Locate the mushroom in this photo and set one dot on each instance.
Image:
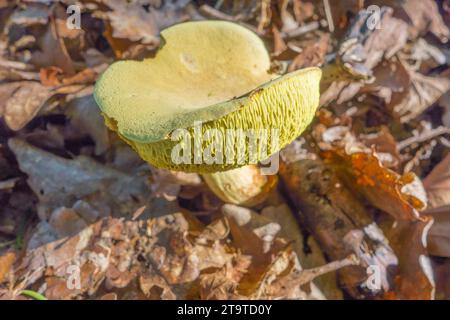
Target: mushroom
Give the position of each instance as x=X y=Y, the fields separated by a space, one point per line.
x=208 y=103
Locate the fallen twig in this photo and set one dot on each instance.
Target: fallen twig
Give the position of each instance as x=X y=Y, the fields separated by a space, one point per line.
x=424 y=136
x=308 y=27
x=329 y=16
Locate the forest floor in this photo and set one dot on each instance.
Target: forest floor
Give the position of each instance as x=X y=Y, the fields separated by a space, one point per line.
x=362 y=205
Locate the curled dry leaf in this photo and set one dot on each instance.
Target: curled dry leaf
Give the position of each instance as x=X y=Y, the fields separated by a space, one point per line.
x=423 y=92
x=391 y=84
x=140 y=26
x=23 y=105
x=6 y=91
x=415 y=277
x=150 y=282
x=400 y=196
x=222 y=284
x=311 y=56
x=384 y=143
x=425 y=17
x=25 y=99
x=53 y=77
x=437 y=184
x=263 y=227
x=422 y=16
x=130 y=23
x=439 y=234
x=279 y=45
x=252 y=245
x=16 y=71
x=366 y=171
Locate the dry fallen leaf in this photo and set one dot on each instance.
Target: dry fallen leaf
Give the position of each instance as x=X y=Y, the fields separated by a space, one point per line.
x=444 y=101
x=331 y=212
x=53 y=50
x=423 y=92
x=307 y=249
x=26 y=101
x=359 y=53
x=140 y=26
x=437 y=184
x=110 y=190
x=392 y=82
x=424 y=16
x=130 y=23
x=313 y=55
x=85 y=116
x=400 y=196
x=414 y=279
x=439 y=234
x=6 y=262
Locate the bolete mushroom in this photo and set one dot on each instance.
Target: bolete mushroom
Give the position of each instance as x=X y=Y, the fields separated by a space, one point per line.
x=208 y=103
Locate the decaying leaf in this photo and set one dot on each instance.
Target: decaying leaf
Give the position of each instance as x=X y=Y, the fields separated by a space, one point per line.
x=363 y=172
x=437 y=184
x=424 y=16
x=25 y=103
x=391 y=84
x=415 y=277
x=132 y=23
x=311 y=56
x=423 y=92
x=27 y=98
x=168 y=183
x=174 y=253
x=308 y=251
x=140 y=27
x=6 y=262
x=84 y=115
x=439 y=233
x=53 y=50
x=110 y=189
x=441 y=271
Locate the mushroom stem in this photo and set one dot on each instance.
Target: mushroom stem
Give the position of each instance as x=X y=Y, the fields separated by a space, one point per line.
x=242 y=186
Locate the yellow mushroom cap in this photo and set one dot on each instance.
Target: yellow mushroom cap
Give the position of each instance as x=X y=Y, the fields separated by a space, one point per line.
x=214 y=72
